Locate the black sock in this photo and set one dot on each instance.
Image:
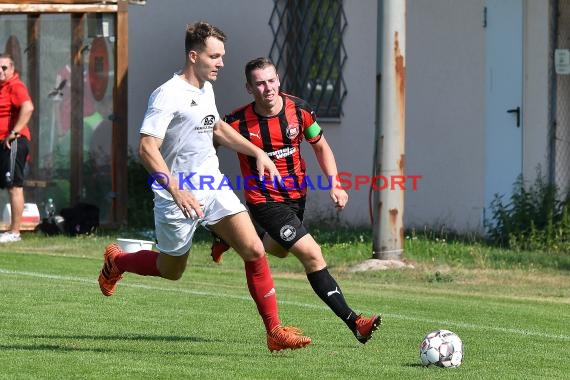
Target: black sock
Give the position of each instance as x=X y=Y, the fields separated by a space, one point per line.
x=328 y=290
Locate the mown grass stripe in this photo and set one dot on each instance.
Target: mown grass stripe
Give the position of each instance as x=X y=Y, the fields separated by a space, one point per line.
x=514 y=331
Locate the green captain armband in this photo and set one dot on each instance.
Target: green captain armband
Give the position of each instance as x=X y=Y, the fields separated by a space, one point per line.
x=313 y=131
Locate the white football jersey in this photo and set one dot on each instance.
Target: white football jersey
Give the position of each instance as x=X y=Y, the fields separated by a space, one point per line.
x=183 y=116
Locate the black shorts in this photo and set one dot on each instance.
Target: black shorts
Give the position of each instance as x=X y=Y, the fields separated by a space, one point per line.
x=283 y=221
x=17 y=177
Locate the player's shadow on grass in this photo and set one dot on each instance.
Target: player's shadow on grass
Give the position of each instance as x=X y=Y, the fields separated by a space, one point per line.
x=73 y=348
x=123 y=337
x=53 y=342
x=48 y=347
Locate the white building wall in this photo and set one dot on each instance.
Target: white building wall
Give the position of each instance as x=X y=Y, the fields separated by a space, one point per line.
x=445 y=138
x=445 y=112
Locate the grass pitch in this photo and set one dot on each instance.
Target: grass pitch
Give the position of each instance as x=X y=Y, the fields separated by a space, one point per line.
x=55 y=324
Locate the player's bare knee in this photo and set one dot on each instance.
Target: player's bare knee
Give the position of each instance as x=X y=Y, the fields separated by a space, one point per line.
x=173 y=275
x=171 y=272
x=312 y=261
x=315 y=254
x=252 y=250
x=257 y=251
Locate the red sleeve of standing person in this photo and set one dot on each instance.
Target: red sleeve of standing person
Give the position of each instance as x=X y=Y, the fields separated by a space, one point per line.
x=14 y=94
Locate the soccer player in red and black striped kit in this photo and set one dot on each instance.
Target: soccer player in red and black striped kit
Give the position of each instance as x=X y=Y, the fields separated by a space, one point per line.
x=277 y=123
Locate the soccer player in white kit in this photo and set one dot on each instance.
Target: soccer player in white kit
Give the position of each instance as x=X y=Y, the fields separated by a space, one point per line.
x=176 y=146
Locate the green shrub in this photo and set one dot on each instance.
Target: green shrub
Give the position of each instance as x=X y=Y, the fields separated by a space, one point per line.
x=535 y=218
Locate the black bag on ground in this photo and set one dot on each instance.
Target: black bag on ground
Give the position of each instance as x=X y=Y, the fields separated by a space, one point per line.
x=83 y=218
x=50 y=226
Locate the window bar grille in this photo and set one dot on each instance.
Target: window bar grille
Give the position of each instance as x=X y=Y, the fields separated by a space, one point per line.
x=309 y=52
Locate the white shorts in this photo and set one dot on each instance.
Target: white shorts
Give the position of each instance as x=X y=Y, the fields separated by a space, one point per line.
x=174 y=231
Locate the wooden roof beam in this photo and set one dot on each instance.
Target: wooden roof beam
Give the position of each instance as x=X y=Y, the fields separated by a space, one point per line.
x=57 y=8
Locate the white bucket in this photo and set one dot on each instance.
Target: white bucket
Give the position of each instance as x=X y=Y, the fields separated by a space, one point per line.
x=30 y=214
x=134 y=245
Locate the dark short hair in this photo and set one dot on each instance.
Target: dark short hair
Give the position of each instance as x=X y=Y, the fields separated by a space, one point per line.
x=8 y=56
x=197 y=33
x=254 y=64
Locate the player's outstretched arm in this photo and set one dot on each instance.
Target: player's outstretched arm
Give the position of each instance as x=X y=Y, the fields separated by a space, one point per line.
x=326 y=160
x=153 y=162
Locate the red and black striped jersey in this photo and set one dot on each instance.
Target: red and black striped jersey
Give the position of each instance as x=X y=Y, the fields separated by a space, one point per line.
x=280 y=137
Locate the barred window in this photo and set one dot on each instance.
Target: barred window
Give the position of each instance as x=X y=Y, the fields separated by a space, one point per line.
x=309 y=53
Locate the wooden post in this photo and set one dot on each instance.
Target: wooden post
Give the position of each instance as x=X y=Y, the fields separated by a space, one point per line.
x=34 y=87
x=120 y=122
x=76 y=117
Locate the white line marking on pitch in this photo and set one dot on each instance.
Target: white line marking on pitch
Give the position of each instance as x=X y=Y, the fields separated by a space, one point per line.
x=300 y=304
